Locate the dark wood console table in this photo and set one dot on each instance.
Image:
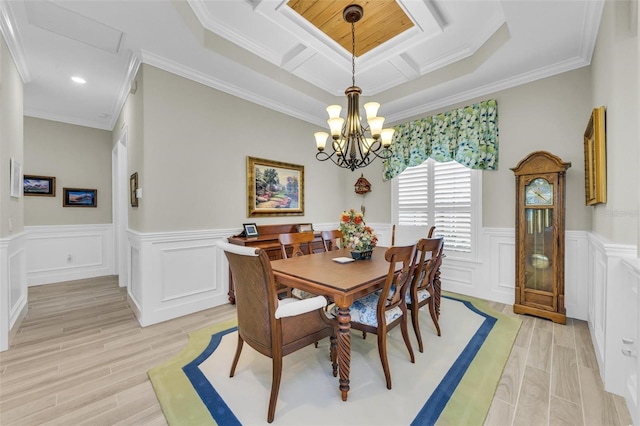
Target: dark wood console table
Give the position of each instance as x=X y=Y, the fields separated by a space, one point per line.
x=267 y=240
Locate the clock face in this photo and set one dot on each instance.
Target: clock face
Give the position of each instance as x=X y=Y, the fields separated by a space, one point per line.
x=539 y=192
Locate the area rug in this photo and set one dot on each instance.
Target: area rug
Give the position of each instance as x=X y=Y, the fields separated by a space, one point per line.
x=451 y=383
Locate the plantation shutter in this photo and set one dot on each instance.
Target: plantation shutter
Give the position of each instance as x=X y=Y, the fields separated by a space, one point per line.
x=438 y=194
x=452 y=205
x=413 y=196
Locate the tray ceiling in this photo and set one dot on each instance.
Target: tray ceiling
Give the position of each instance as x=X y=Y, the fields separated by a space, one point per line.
x=293 y=56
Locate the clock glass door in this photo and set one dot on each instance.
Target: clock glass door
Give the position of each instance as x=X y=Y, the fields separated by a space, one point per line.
x=538 y=249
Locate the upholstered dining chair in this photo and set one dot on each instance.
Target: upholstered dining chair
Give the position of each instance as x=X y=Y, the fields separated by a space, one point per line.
x=382 y=311
x=296 y=240
x=332 y=240
x=408 y=234
x=422 y=290
x=273 y=327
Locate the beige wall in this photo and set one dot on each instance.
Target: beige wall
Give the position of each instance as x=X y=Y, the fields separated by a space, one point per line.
x=11 y=135
x=195 y=142
x=615 y=86
x=78 y=157
x=548 y=114
x=131 y=121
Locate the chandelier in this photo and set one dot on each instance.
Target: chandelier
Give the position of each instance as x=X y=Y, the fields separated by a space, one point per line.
x=354 y=145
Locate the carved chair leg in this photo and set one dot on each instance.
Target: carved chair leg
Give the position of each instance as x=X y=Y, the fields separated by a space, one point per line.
x=236 y=357
x=415 y=321
x=382 y=350
x=405 y=336
x=434 y=317
x=333 y=354
x=275 y=387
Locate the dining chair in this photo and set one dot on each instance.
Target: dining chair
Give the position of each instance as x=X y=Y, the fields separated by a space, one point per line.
x=422 y=288
x=409 y=234
x=296 y=240
x=383 y=310
x=332 y=240
x=271 y=326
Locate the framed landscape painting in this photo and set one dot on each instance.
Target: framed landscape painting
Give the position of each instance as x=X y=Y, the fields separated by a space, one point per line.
x=595 y=159
x=274 y=188
x=78 y=197
x=41 y=186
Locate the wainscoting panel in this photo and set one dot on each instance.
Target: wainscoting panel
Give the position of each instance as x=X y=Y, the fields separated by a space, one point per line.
x=64 y=253
x=630 y=344
x=13 y=286
x=608 y=289
x=176 y=273
x=187 y=271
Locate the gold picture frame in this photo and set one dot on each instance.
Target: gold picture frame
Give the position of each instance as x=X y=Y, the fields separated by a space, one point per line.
x=274 y=188
x=133 y=187
x=595 y=158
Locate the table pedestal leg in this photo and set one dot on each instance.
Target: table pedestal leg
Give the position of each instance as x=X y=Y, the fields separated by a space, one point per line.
x=344 y=349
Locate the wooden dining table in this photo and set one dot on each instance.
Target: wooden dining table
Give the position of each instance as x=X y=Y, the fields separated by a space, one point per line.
x=341 y=282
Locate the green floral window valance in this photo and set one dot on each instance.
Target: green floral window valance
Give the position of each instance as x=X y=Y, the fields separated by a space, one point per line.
x=468 y=135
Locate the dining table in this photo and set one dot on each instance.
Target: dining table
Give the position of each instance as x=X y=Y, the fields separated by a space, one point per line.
x=324 y=274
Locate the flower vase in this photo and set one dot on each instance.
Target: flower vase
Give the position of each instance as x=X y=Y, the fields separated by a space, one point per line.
x=362 y=255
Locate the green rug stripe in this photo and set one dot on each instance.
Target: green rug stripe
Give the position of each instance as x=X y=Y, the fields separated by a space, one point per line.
x=179 y=401
x=472 y=398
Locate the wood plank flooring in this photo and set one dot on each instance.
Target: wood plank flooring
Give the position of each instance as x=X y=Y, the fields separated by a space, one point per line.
x=80 y=357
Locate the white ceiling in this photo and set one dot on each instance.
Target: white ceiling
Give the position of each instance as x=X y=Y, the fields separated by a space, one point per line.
x=262 y=51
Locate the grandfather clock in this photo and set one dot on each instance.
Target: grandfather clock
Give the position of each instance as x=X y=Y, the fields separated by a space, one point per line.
x=540 y=214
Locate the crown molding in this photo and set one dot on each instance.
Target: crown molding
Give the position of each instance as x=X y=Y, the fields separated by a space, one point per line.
x=10 y=33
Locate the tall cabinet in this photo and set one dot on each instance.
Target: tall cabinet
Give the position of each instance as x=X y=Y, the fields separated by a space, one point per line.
x=540 y=215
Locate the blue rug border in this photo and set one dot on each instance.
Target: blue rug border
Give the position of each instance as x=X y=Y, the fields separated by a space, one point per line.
x=434 y=406
x=428 y=415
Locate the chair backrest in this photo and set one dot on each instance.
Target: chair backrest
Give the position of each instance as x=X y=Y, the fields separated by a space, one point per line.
x=430 y=258
x=256 y=297
x=396 y=283
x=403 y=235
x=296 y=240
x=332 y=240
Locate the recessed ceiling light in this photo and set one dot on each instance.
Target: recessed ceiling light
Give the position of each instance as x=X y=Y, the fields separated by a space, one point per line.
x=78 y=80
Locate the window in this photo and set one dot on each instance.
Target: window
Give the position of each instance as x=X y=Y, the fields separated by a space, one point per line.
x=446 y=195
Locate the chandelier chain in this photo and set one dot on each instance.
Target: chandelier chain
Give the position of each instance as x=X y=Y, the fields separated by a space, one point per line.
x=355 y=144
x=353 y=54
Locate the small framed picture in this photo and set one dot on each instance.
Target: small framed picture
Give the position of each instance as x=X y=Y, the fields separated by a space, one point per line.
x=42 y=186
x=133 y=186
x=78 y=197
x=305 y=227
x=250 y=229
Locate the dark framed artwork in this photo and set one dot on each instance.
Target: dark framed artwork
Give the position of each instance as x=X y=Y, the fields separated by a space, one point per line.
x=250 y=229
x=79 y=197
x=595 y=158
x=274 y=188
x=133 y=186
x=40 y=186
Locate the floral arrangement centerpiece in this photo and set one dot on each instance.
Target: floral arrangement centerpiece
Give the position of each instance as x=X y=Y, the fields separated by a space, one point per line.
x=357 y=236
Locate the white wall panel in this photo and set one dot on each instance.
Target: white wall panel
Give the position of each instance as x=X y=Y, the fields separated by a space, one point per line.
x=188 y=271
x=176 y=273
x=64 y=253
x=13 y=286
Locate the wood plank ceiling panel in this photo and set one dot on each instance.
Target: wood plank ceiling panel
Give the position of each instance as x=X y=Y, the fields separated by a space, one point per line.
x=382 y=20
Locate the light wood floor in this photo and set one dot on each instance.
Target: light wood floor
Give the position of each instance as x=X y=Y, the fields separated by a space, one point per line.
x=80 y=357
